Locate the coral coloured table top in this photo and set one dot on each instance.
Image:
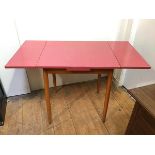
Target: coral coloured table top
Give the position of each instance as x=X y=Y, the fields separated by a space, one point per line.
x=77 y=55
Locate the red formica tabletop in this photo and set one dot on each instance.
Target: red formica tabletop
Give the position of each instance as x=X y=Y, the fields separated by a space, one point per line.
x=77 y=55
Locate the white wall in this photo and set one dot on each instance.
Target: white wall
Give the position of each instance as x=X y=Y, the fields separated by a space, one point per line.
x=58 y=20
x=144 y=41
x=14 y=81
x=97 y=30
x=65 y=20
x=124 y=35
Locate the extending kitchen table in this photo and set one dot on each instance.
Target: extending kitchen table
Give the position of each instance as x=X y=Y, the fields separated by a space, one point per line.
x=72 y=57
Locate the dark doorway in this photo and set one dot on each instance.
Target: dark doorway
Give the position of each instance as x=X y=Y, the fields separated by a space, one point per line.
x=3 y=103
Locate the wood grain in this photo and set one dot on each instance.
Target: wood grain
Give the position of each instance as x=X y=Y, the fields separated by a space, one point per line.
x=146 y=97
x=47 y=95
x=142 y=121
x=77 y=109
x=62 y=121
x=107 y=94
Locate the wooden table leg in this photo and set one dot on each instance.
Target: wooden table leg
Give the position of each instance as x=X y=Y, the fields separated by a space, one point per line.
x=47 y=95
x=98 y=83
x=107 y=94
x=54 y=82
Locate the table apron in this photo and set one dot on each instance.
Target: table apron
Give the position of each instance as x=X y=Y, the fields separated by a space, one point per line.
x=64 y=71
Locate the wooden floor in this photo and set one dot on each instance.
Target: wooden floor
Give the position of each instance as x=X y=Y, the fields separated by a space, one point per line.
x=76 y=109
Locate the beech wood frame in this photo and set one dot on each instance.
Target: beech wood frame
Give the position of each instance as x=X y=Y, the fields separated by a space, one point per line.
x=47 y=71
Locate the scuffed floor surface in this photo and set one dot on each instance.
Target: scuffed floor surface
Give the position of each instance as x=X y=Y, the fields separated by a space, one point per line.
x=76 y=109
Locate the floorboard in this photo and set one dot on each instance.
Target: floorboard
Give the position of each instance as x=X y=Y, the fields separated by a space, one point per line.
x=76 y=110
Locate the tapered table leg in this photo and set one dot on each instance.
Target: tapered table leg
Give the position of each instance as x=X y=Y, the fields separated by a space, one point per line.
x=98 y=83
x=54 y=82
x=107 y=94
x=47 y=95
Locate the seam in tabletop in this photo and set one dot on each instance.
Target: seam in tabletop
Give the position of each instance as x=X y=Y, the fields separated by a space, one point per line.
x=114 y=55
x=40 y=54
